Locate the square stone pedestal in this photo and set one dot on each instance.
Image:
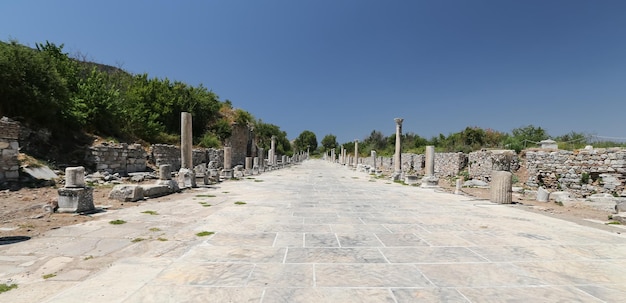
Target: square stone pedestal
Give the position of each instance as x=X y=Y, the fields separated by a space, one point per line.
x=76 y=200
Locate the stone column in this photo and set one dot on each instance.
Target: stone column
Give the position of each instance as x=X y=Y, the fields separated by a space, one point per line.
x=186 y=141
x=261 y=151
x=227 y=172
x=248 y=165
x=273 y=151
x=165 y=178
x=429 y=177
x=459 y=185
x=186 y=175
x=356 y=153
x=75 y=197
x=501 y=188
x=430 y=161
x=397 y=157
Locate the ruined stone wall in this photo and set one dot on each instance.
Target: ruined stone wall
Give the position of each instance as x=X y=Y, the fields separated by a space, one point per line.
x=581 y=172
x=449 y=164
x=170 y=154
x=121 y=158
x=481 y=163
x=9 y=149
x=446 y=164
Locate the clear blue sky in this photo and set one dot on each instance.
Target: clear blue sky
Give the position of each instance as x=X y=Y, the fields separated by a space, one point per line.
x=347 y=67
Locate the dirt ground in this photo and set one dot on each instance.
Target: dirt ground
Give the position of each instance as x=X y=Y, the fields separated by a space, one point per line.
x=22 y=213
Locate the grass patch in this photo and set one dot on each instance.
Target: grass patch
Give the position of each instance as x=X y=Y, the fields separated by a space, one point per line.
x=559 y=203
x=150 y=212
x=88 y=258
x=48 y=276
x=137 y=240
x=355 y=177
x=5 y=287
x=204 y=233
x=226 y=192
x=117 y=222
x=257 y=180
x=613 y=223
x=204 y=204
x=155 y=229
x=240 y=203
x=161 y=239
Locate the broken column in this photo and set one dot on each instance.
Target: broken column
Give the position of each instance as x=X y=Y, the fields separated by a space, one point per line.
x=227 y=172
x=248 y=166
x=75 y=197
x=501 y=188
x=374 y=169
x=459 y=185
x=165 y=177
x=272 y=154
x=255 y=166
x=186 y=174
x=430 y=179
x=356 y=153
x=397 y=157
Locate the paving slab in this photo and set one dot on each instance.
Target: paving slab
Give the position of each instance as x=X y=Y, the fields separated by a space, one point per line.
x=319 y=232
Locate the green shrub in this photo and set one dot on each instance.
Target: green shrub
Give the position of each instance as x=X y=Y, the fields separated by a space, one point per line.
x=209 y=140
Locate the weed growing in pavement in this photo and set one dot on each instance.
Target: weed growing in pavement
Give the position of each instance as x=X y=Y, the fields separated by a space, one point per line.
x=204 y=233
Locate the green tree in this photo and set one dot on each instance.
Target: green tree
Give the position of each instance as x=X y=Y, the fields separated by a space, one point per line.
x=530 y=134
x=329 y=142
x=305 y=141
x=265 y=131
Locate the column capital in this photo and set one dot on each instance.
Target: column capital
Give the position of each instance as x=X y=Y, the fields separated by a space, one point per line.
x=398 y=120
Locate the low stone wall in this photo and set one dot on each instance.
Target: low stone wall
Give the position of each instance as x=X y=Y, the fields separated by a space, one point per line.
x=581 y=172
x=449 y=164
x=120 y=158
x=481 y=163
x=169 y=154
x=446 y=164
x=9 y=150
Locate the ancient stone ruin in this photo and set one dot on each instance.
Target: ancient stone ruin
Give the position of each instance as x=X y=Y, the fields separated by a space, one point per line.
x=75 y=196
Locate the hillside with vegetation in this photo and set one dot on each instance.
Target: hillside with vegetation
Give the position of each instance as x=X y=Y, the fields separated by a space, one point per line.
x=65 y=102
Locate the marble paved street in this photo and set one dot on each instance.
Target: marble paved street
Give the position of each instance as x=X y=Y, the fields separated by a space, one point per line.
x=318 y=232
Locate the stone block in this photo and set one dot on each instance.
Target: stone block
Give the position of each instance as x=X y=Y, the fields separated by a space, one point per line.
x=75 y=200
x=162 y=188
x=186 y=178
x=126 y=193
x=75 y=177
x=543 y=195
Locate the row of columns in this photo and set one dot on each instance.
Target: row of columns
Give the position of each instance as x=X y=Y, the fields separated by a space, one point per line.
x=186 y=175
x=501 y=187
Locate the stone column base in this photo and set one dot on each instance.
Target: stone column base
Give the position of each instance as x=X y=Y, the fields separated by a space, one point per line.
x=411 y=180
x=227 y=173
x=186 y=178
x=76 y=200
x=396 y=176
x=430 y=181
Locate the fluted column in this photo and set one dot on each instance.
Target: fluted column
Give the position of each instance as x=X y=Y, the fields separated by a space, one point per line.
x=501 y=187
